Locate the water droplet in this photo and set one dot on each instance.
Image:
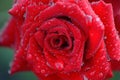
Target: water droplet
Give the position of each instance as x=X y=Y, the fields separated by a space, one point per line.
x=48 y=64
x=24 y=15
x=106 y=68
x=51 y=3
x=92 y=73
x=85 y=78
x=105 y=37
x=59 y=65
x=9 y=71
x=89 y=18
x=101 y=74
x=42 y=71
x=82 y=64
x=97 y=19
x=88 y=68
x=29 y=56
x=23 y=8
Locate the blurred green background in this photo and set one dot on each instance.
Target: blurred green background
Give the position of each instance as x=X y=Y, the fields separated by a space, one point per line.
x=6 y=55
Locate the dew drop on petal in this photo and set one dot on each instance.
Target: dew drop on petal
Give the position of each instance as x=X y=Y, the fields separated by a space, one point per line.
x=108 y=57
x=85 y=78
x=89 y=18
x=59 y=65
x=97 y=19
x=88 y=68
x=105 y=37
x=101 y=75
x=51 y=3
x=23 y=8
x=92 y=73
x=48 y=64
x=42 y=71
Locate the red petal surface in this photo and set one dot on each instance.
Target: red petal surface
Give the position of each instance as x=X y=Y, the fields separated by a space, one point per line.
x=98 y=67
x=112 y=39
x=95 y=26
x=7 y=35
x=51 y=36
x=116 y=11
x=71 y=76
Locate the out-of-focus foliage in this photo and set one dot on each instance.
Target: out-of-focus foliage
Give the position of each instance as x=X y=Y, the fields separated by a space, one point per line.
x=6 y=55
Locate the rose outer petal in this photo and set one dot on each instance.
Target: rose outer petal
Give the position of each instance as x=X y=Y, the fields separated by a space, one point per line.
x=36 y=59
x=116 y=11
x=71 y=76
x=98 y=68
x=95 y=26
x=112 y=39
x=7 y=35
x=117 y=23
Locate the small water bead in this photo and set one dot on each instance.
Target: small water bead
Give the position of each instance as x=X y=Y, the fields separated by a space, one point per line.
x=48 y=64
x=106 y=69
x=105 y=37
x=22 y=8
x=100 y=74
x=42 y=71
x=88 y=68
x=9 y=71
x=92 y=73
x=89 y=18
x=59 y=65
x=82 y=64
x=97 y=19
x=51 y=3
x=85 y=78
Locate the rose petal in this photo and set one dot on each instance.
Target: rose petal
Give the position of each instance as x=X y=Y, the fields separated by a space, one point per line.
x=51 y=77
x=71 y=76
x=7 y=35
x=115 y=65
x=112 y=39
x=19 y=63
x=116 y=10
x=117 y=23
x=36 y=59
x=95 y=26
x=98 y=67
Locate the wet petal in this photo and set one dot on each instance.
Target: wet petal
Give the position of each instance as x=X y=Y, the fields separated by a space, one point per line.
x=71 y=76
x=98 y=67
x=7 y=35
x=95 y=26
x=112 y=39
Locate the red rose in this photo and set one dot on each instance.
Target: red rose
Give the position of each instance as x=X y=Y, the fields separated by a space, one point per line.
x=63 y=39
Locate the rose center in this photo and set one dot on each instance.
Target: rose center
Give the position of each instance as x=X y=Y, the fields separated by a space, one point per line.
x=59 y=42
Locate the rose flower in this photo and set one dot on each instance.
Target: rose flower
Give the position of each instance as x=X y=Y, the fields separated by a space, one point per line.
x=64 y=39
